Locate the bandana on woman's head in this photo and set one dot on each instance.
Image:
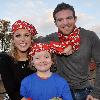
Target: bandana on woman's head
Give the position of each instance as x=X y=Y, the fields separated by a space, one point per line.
x=24 y=25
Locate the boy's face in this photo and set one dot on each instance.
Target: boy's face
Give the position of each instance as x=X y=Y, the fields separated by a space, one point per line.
x=65 y=21
x=42 y=61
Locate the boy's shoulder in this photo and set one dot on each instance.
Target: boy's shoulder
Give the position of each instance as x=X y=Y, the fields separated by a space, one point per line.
x=28 y=78
x=59 y=78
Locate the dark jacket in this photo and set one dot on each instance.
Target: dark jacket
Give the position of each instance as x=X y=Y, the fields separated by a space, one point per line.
x=12 y=72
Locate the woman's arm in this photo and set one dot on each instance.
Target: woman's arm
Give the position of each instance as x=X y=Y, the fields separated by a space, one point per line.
x=8 y=77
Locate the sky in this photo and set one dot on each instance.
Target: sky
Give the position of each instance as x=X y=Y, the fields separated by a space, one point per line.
x=39 y=13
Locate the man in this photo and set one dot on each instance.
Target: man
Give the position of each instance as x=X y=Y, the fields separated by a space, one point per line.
x=74 y=68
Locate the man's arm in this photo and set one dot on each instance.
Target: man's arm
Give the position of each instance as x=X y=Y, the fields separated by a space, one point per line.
x=96 y=56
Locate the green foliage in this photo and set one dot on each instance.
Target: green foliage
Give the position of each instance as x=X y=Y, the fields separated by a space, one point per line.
x=5 y=36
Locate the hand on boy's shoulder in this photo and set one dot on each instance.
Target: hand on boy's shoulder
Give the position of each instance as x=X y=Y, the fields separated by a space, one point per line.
x=56 y=98
x=26 y=98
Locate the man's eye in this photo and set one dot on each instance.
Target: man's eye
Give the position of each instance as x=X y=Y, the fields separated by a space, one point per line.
x=70 y=17
x=59 y=20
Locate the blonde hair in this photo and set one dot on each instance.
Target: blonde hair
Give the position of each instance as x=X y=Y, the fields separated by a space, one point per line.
x=13 y=50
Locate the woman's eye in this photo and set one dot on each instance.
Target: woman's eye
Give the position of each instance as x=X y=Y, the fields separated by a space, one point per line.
x=37 y=58
x=18 y=35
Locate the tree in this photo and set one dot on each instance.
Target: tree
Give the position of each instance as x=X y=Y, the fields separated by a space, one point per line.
x=5 y=35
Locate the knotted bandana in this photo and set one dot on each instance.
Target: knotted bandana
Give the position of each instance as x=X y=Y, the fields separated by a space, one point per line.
x=52 y=47
x=72 y=39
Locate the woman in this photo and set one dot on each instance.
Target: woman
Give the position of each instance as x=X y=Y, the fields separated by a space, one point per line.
x=14 y=66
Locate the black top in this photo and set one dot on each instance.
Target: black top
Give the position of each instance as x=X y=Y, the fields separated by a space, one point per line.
x=12 y=72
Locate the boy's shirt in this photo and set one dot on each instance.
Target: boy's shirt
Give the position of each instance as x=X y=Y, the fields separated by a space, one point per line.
x=45 y=89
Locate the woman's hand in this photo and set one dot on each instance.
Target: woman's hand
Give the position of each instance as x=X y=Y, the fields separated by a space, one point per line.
x=56 y=98
x=24 y=98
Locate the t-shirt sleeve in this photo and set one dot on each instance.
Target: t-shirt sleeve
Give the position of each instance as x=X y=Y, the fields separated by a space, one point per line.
x=23 y=89
x=66 y=93
x=7 y=77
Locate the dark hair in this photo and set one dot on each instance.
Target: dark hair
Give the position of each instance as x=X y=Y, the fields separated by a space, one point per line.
x=63 y=6
x=53 y=67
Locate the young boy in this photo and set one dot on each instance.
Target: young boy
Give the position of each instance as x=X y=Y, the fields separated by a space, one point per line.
x=44 y=84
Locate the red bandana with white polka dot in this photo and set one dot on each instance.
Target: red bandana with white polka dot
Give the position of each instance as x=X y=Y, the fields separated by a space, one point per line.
x=72 y=39
x=37 y=47
x=24 y=25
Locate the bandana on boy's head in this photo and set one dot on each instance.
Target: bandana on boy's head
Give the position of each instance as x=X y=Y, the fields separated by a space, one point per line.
x=24 y=25
x=52 y=47
x=37 y=47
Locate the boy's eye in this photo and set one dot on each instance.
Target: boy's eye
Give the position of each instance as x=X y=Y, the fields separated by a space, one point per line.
x=46 y=56
x=26 y=35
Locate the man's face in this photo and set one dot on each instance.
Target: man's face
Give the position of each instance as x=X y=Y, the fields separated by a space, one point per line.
x=65 y=21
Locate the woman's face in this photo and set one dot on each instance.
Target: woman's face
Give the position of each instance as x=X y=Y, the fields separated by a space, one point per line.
x=22 y=40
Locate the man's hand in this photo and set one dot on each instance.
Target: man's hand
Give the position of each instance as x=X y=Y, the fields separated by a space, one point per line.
x=89 y=97
x=56 y=98
x=68 y=50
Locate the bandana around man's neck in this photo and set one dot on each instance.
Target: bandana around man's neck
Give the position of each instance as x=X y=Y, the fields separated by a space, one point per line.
x=72 y=39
